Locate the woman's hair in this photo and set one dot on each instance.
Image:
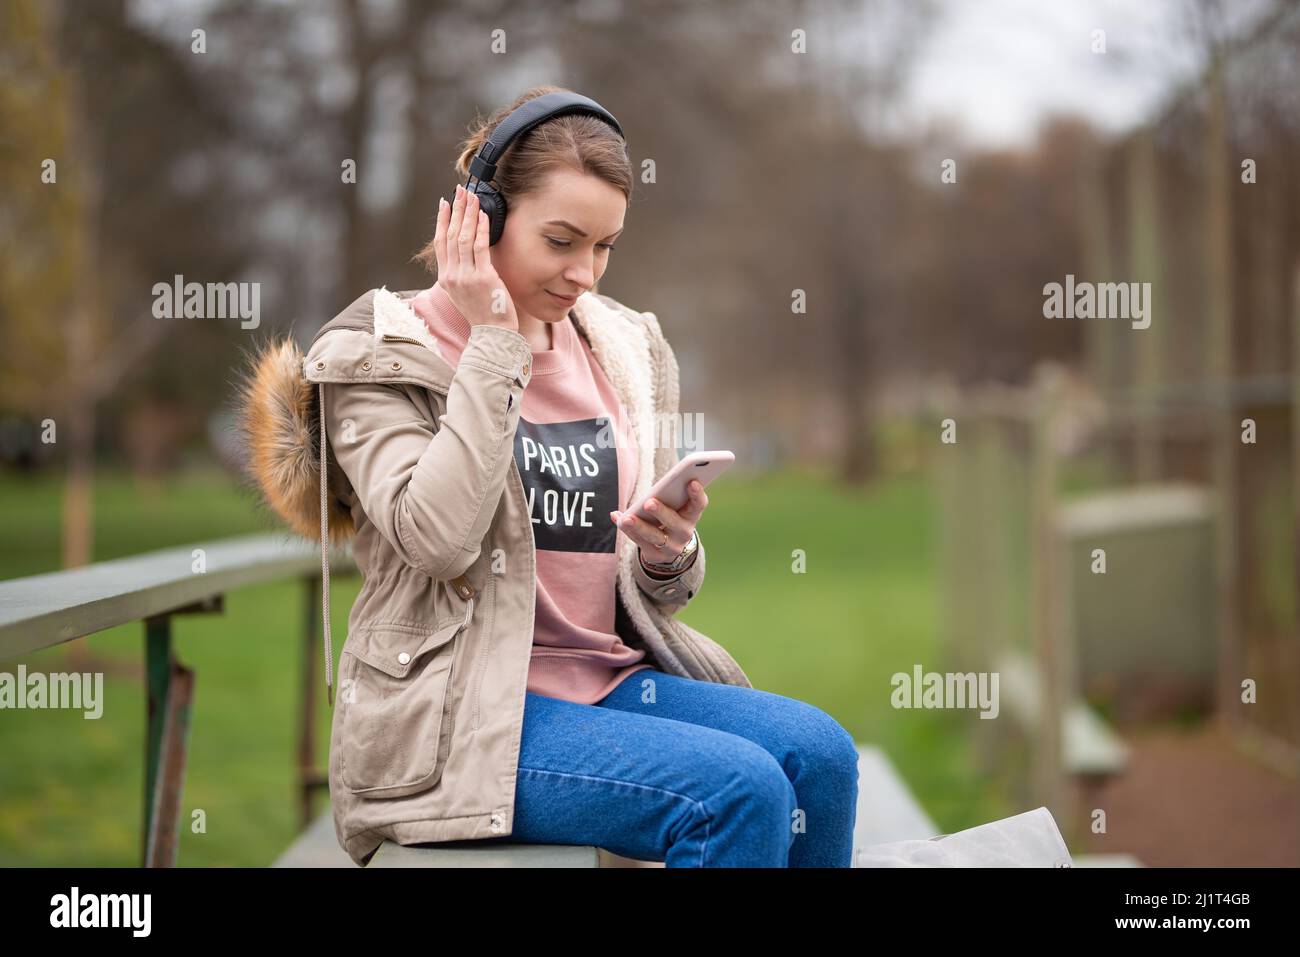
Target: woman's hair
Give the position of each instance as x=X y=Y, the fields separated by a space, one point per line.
x=578 y=141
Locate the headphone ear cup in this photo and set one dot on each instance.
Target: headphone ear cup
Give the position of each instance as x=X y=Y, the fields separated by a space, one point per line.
x=494 y=204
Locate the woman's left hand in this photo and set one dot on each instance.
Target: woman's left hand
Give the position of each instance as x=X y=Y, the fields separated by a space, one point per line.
x=676 y=525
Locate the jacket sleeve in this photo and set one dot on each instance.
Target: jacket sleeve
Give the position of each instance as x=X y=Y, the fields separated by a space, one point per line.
x=431 y=493
x=670 y=595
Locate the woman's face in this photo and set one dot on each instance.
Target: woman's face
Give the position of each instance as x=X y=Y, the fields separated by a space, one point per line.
x=538 y=254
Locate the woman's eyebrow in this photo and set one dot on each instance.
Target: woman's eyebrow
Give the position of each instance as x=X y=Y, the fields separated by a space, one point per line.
x=573 y=228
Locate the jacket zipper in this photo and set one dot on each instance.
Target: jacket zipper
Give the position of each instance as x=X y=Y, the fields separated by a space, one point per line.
x=433 y=387
x=387 y=338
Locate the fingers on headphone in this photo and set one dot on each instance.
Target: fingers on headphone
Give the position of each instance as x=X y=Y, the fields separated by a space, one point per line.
x=468 y=226
x=481 y=240
x=453 y=227
x=463 y=231
x=470 y=221
x=440 y=232
x=462 y=236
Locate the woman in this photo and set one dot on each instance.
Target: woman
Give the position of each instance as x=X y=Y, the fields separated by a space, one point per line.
x=513 y=668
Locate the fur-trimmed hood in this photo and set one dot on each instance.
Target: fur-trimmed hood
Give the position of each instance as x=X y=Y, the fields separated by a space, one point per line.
x=280 y=427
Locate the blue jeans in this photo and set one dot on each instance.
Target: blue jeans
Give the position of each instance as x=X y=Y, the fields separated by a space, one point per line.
x=691 y=773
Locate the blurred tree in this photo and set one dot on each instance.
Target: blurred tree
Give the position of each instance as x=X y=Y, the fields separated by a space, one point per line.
x=81 y=254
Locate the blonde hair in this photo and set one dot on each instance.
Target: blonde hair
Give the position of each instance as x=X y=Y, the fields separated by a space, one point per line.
x=576 y=141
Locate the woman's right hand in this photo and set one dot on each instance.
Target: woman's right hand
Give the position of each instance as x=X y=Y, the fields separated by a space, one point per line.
x=465 y=270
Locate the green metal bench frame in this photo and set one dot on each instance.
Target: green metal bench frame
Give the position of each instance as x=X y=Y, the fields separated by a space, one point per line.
x=41 y=611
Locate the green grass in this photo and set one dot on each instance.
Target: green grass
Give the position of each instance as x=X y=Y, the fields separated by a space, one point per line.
x=833 y=635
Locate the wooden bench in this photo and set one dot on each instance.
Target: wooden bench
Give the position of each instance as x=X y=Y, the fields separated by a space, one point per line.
x=887 y=811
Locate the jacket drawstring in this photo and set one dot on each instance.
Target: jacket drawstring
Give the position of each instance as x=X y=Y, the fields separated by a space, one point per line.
x=324 y=555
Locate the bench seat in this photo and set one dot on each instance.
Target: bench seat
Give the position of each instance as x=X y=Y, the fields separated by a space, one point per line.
x=887 y=811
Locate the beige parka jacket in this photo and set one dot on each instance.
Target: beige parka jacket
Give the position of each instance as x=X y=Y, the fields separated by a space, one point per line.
x=426 y=729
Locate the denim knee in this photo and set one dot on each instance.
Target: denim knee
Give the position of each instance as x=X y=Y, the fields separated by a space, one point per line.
x=744 y=817
x=825 y=747
x=763 y=790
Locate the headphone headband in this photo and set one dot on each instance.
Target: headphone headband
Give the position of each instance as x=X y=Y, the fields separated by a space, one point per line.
x=537 y=110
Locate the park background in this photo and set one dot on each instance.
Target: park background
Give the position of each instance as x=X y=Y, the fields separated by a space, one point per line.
x=920 y=170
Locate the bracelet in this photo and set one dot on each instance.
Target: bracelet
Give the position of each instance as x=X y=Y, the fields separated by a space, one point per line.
x=666 y=568
x=660 y=574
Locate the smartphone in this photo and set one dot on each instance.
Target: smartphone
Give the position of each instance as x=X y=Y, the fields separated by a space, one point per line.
x=671 y=489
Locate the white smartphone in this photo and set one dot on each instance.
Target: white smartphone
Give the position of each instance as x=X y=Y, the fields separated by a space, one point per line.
x=671 y=489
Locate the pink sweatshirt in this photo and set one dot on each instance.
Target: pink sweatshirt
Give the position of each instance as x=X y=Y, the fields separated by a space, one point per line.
x=577 y=457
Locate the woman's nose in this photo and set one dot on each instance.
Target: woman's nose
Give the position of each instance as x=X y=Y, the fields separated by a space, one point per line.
x=582 y=277
x=584 y=270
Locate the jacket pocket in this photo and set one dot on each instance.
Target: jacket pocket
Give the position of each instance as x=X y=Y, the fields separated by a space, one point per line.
x=395 y=729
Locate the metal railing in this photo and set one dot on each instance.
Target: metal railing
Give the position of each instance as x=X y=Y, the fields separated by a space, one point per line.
x=41 y=611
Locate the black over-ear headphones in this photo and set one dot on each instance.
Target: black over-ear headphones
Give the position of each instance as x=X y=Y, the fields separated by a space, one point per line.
x=537 y=110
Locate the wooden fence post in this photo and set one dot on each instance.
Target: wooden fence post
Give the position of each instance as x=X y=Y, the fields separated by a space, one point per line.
x=1046 y=578
x=1226 y=437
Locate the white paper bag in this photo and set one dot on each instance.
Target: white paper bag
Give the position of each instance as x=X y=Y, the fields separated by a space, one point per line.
x=1025 y=840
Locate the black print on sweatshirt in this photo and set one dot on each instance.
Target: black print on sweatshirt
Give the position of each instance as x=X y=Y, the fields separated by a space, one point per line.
x=570 y=474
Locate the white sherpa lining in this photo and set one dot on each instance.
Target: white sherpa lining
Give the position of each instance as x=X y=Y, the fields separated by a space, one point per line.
x=394 y=316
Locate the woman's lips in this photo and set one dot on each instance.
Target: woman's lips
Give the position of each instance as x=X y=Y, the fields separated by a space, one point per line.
x=563 y=300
